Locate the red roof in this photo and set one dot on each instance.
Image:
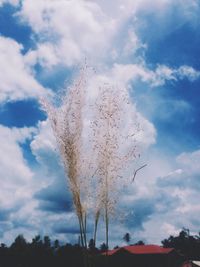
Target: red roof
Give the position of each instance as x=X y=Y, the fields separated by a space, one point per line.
x=111 y=252
x=141 y=249
x=147 y=249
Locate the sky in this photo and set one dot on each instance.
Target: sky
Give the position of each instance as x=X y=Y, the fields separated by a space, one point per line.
x=150 y=47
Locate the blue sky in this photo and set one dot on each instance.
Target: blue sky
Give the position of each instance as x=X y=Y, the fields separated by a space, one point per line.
x=152 y=49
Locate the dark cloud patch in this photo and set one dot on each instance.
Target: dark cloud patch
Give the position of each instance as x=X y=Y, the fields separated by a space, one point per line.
x=141 y=212
x=49 y=161
x=196 y=222
x=4 y=227
x=66 y=227
x=182 y=181
x=5 y=213
x=55 y=197
x=55 y=206
x=21 y=223
x=70 y=225
x=165 y=202
x=170 y=181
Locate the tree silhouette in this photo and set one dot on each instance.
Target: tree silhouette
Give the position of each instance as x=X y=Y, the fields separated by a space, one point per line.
x=127 y=238
x=103 y=247
x=187 y=244
x=41 y=251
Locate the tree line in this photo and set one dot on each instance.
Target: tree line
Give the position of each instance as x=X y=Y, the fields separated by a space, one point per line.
x=185 y=243
x=42 y=252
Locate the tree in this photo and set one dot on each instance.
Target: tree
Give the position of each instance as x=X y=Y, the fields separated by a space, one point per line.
x=127 y=238
x=19 y=243
x=187 y=244
x=91 y=244
x=56 y=244
x=139 y=243
x=103 y=247
x=47 y=242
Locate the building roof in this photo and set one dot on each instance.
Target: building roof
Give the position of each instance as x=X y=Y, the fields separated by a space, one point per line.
x=147 y=249
x=141 y=249
x=111 y=252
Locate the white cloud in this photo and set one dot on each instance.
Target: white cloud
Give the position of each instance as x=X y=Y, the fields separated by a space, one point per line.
x=68 y=30
x=19 y=182
x=190 y=162
x=132 y=44
x=44 y=148
x=164 y=73
x=157 y=77
x=14 y=172
x=11 y=152
x=17 y=78
x=169 y=229
x=180 y=188
x=187 y=72
x=170 y=189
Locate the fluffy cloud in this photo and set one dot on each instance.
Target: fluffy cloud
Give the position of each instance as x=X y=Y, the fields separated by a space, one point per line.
x=163 y=200
x=157 y=77
x=18 y=172
x=17 y=78
x=186 y=176
x=53 y=195
x=31 y=198
x=16 y=177
x=181 y=189
x=68 y=31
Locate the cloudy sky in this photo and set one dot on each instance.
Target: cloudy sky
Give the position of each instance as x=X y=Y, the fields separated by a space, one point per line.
x=150 y=47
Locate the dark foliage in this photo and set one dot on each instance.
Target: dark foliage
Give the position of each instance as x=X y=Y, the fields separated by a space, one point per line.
x=186 y=244
x=42 y=252
x=127 y=238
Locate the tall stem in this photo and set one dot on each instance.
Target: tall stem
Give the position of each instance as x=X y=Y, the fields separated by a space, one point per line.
x=85 y=230
x=81 y=231
x=95 y=226
x=106 y=214
x=107 y=174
